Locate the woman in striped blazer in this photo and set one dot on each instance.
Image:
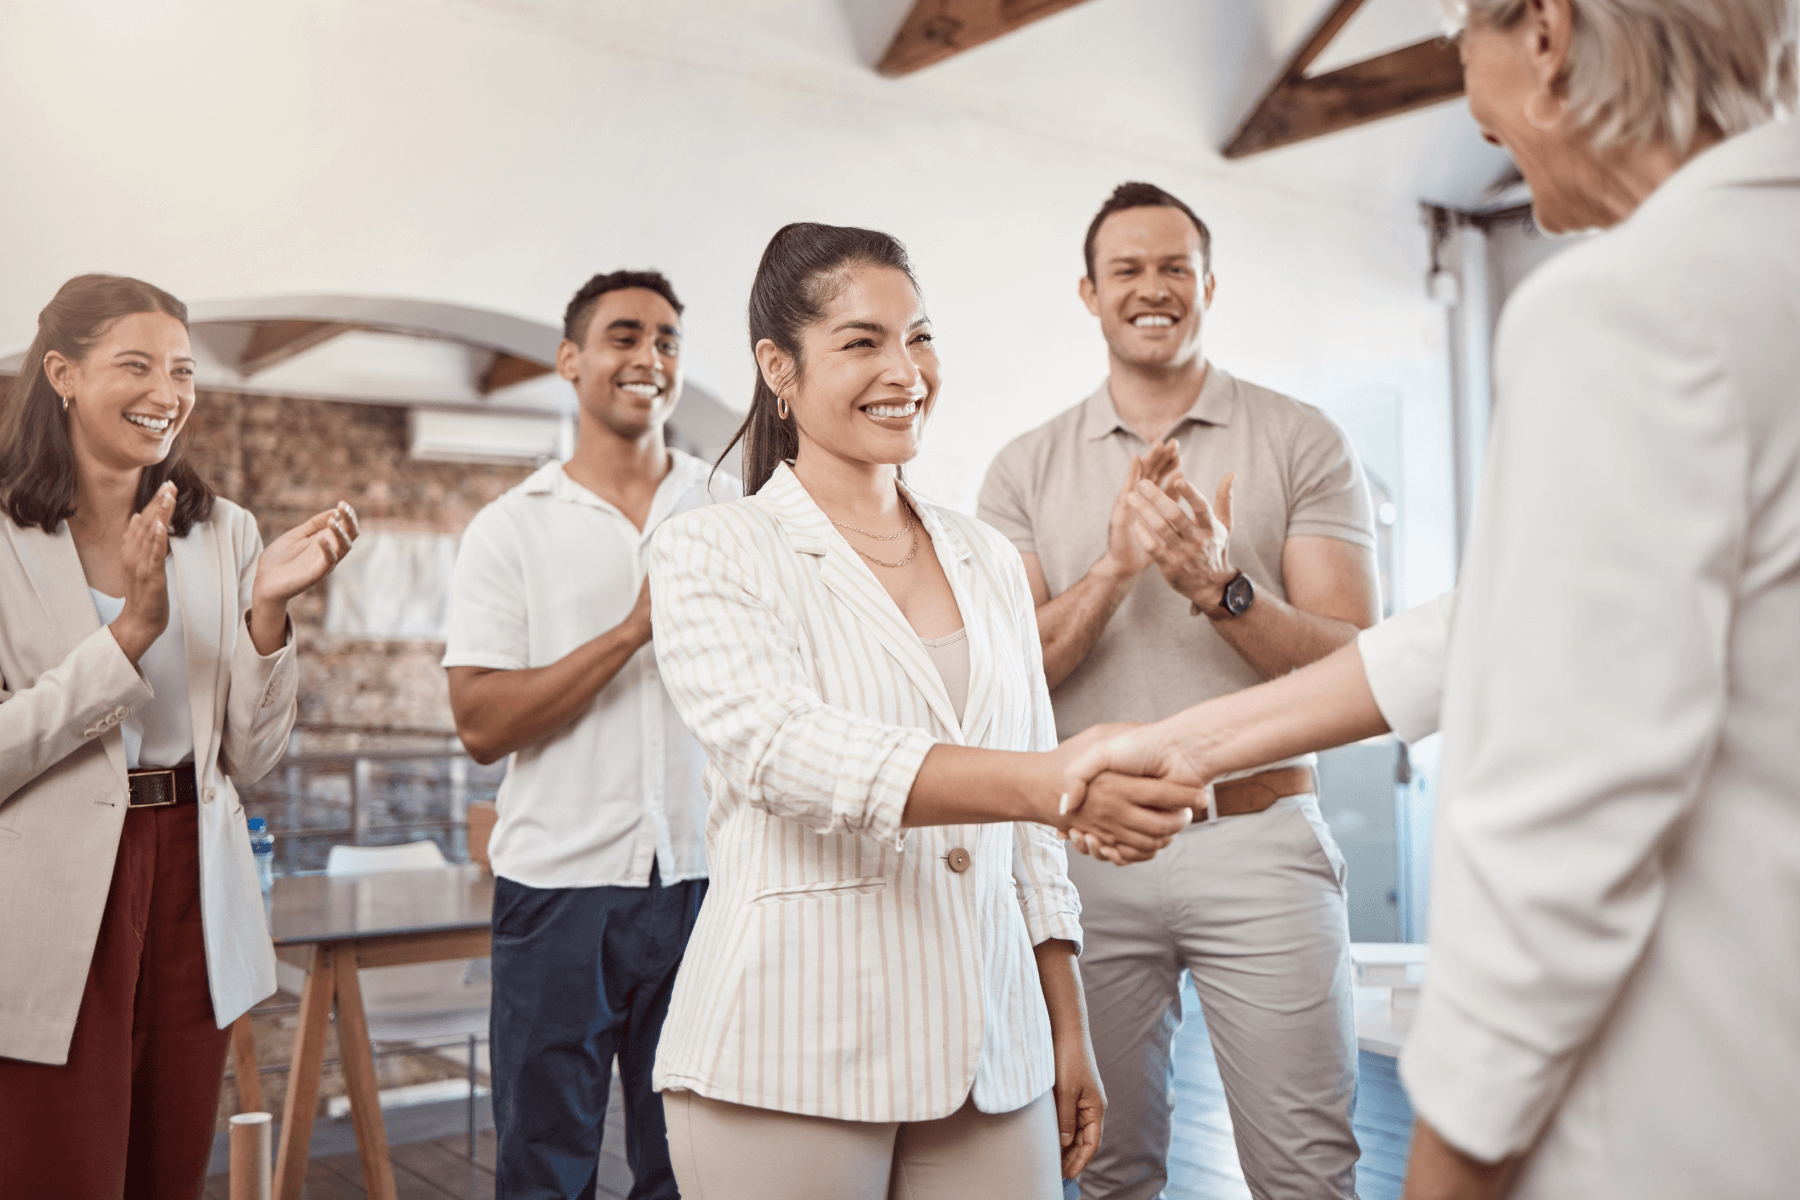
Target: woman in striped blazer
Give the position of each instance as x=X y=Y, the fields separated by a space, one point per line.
x=880 y=997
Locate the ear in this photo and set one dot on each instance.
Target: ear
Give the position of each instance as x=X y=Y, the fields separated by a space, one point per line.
x=1089 y=295
x=1206 y=293
x=1547 y=29
x=566 y=352
x=776 y=365
x=59 y=371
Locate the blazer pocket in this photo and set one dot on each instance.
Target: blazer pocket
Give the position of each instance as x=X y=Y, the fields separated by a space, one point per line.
x=865 y=886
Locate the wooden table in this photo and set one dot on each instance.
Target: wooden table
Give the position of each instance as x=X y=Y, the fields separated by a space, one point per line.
x=353 y=921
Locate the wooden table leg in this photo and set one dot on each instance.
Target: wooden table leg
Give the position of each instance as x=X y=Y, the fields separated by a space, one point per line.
x=359 y=1077
x=243 y=1066
x=303 y=1075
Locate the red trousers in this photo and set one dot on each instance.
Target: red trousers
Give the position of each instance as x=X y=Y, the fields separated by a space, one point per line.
x=130 y=1116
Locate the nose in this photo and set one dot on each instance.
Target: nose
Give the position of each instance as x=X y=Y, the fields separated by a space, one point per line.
x=900 y=370
x=649 y=356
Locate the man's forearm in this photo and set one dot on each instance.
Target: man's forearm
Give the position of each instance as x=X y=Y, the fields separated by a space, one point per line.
x=1275 y=638
x=498 y=712
x=1437 y=1170
x=1071 y=623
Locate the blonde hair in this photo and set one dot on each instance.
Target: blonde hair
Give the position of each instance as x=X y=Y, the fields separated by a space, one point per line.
x=1660 y=71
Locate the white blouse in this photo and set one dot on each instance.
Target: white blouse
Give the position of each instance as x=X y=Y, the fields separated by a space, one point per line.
x=161 y=733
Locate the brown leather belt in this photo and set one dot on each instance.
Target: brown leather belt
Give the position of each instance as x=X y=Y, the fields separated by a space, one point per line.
x=162 y=787
x=1253 y=793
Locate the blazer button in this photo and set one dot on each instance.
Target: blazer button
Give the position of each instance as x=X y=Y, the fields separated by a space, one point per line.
x=959 y=860
x=207 y=795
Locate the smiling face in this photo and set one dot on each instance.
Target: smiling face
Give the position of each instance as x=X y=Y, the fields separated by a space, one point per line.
x=1509 y=75
x=1151 y=287
x=868 y=374
x=627 y=369
x=131 y=394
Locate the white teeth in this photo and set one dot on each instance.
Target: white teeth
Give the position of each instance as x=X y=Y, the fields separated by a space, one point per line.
x=645 y=391
x=882 y=412
x=1153 y=321
x=153 y=424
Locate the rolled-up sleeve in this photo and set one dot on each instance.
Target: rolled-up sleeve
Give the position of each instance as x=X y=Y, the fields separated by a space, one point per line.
x=739 y=678
x=1403 y=659
x=1049 y=901
x=1586 y=692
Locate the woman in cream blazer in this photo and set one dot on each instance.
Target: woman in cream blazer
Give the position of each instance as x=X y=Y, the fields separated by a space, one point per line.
x=880 y=991
x=132 y=930
x=1613 y=1004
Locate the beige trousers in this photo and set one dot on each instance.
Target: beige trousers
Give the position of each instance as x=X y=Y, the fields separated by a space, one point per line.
x=731 y=1152
x=1253 y=907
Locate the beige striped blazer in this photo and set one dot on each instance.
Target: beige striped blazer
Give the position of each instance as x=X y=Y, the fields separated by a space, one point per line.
x=840 y=968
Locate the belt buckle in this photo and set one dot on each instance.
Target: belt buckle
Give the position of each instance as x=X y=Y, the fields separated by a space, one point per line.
x=164 y=785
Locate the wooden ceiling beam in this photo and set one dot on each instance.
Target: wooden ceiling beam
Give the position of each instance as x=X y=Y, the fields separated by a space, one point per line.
x=273 y=342
x=937 y=29
x=508 y=369
x=1296 y=107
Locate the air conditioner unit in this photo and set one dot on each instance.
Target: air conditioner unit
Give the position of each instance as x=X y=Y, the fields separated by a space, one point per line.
x=440 y=435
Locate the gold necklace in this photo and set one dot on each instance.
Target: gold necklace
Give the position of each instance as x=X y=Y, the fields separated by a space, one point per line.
x=881 y=562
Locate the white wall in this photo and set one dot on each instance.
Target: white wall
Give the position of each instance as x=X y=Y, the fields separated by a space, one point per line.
x=497 y=152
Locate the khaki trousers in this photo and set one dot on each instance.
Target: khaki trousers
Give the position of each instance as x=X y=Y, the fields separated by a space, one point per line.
x=1253 y=907
x=730 y=1152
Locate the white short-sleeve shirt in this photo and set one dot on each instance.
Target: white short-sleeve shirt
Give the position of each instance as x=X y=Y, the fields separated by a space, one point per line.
x=542 y=570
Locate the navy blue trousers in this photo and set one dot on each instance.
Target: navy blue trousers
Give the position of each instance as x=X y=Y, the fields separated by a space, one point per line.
x=581 y=975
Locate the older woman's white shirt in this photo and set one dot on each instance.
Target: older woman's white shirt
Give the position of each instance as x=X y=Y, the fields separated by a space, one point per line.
x=839 y=967
x=1615 y=929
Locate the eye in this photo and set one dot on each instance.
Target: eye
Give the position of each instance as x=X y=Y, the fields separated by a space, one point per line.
x=861 y=344
x=1178 y=269
x=670 y=349
x=184 y=372
x=924 y=338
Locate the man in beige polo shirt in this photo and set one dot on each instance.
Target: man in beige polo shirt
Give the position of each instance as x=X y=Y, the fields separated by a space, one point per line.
x=1278 y=570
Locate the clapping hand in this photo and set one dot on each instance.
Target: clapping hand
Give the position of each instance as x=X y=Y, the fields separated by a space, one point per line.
x=1142 y=752
x=294 y=562
x=1152 y=469
x=1188 y=545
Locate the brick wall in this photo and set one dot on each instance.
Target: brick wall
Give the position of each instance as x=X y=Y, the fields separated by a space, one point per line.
x=285 y=459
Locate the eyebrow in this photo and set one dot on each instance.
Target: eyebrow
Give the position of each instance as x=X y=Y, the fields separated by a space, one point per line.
x=632 y=323
x=877 y=327
x=146 y=355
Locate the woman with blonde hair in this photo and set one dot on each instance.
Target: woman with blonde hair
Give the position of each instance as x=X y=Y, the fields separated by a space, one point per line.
x=1611 y=1009
x=146 y=662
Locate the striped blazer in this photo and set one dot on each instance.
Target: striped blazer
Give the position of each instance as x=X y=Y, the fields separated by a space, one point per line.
x=839 y=967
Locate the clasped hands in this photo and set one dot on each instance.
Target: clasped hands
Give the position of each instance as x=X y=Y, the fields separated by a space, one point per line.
x=1126 y=790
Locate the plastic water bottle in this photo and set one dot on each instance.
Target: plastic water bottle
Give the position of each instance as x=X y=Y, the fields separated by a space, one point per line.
x=262 y=845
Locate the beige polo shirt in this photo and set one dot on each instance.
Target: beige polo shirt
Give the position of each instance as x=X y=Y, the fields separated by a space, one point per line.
x=1051 y=492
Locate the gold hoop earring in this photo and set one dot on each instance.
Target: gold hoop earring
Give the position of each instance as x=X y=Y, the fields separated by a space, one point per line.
x=781 y=407
x=1543 y=126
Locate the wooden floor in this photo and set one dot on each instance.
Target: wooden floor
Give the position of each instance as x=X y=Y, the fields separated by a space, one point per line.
x=1203 y=1162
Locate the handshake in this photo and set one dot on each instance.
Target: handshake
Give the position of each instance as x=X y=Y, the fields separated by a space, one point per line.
x=1125 y=791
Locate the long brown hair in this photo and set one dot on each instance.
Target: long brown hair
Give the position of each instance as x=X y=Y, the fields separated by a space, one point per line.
x=799 y=274
x=37 y=459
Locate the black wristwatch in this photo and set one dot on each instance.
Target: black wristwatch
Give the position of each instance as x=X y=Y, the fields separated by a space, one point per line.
x=1239 y=596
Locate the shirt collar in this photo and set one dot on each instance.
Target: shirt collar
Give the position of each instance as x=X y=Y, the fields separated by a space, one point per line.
x=551 y=480
x=1767 y=155
x=1216 y=404
x=810 y=531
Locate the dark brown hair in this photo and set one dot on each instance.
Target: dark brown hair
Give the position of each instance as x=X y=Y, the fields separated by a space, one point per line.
x=801 y=271
x=37 y=460
x=1143 y=195
x=581 y=309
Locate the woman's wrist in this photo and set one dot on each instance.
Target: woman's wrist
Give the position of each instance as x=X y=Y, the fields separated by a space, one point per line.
x=268 y=624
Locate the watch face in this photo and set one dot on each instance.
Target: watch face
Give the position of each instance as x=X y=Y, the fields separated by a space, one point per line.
x=1238 y=595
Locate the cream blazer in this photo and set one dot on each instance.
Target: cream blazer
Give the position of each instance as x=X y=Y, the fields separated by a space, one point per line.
x=840 y=967
x=1615 y=923
x=64 y=688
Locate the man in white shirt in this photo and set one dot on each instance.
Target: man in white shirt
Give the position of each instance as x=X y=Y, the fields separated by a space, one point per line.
x=598 y=854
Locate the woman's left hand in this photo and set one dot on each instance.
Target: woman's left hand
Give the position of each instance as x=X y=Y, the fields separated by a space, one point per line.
x=304 y=555
x=1080 y=1101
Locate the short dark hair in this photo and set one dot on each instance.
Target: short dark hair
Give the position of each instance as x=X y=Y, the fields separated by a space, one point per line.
x=37 y=458
x=1144 y=195
x=581 y=308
